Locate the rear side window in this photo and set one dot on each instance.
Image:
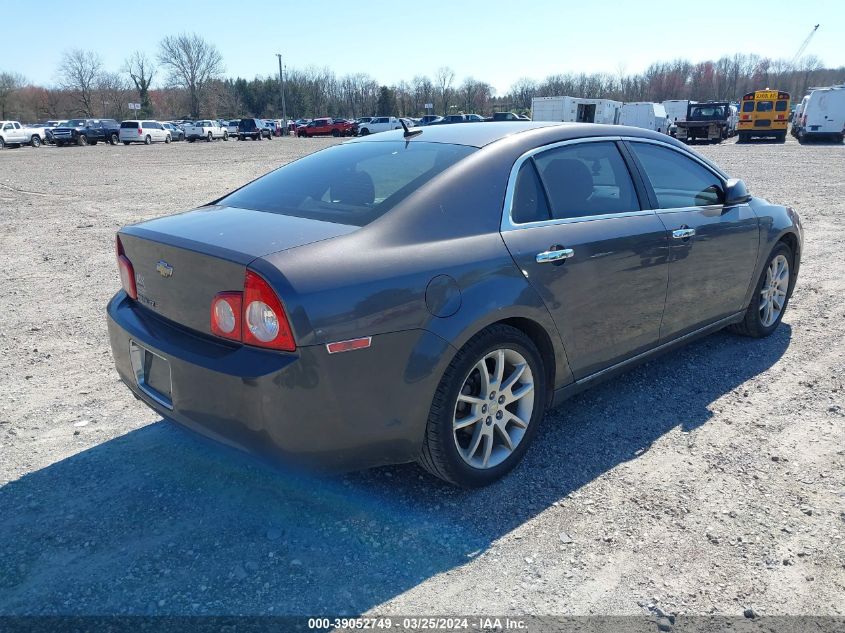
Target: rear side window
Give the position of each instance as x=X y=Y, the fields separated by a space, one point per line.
x=748 y=106
x=348 y=184
x=529 y=200
x=586 y=179
x=678 y=181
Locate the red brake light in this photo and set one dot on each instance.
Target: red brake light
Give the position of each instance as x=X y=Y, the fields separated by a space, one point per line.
x=140 y=132
x=265 y=323
x=127 y=272
x=226 y=315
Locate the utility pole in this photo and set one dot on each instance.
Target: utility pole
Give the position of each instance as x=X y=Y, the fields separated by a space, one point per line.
x=282 y=86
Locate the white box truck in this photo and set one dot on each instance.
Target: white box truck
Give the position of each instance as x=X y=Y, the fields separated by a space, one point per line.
x=575 y=110
x=644 y=114
x=676 y=110
x=823 y=115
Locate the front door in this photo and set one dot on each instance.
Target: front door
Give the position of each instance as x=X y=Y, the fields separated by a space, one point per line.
x=599 y=261
x=714 y=247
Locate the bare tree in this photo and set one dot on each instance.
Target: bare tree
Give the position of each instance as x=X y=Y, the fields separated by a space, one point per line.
x=443 y=79
x=78 y=73
x=192 y=63
x=141 y=71
x=10 y=84
x=114 y=94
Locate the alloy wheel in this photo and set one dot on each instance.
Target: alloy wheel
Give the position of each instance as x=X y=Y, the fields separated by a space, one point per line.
x=773 y=292
x=493 y=408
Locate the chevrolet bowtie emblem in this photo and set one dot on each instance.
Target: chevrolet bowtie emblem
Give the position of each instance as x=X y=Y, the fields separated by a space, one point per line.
x=164 y=269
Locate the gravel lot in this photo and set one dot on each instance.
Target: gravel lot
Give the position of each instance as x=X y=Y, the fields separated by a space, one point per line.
x=709 y=481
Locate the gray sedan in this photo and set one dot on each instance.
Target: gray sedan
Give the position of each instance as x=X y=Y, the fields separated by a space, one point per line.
x=425 y=295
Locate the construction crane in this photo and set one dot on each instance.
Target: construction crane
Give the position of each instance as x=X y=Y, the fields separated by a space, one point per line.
x=804 y=45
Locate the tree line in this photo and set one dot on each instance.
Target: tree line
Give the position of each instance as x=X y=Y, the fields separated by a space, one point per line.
x=190 y=71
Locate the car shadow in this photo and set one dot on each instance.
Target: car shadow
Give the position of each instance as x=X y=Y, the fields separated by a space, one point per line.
x=160 y=521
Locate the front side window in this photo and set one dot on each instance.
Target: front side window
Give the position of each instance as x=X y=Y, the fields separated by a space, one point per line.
x=349 y=184
x=678 y=181
x=586 y=179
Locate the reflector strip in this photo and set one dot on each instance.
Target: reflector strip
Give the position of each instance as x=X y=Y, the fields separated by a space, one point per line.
x=348 y=346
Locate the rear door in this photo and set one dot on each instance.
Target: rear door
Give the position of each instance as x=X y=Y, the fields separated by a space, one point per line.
x=575 y=226
x=714 y=247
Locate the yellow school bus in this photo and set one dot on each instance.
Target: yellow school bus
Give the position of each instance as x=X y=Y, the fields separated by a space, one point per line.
x=763 y=113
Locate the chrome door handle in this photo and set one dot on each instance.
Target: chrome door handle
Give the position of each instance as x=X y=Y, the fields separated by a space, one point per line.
x=682 y=234
x=555 y=256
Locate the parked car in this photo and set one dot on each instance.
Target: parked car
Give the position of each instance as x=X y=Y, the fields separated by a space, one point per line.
x=504 y=116
x=326 y=127
x=87 y=132
x=14 y=134
x=254 y=129
x=459 y=118
x=232 y=127
x=452 y=282
x=429 y=118
x=379 y=124
x=205 y=129
x=176 y=133
x=146 y=132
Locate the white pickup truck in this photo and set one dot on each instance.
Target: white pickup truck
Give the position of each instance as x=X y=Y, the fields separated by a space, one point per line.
x=205 y=129
x=379 y=124
x=14 y=134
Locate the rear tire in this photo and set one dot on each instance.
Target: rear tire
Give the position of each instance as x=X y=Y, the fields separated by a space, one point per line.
x=753 y=323
x=167 y=139
x=365 y=132
x=126 y=142
x=209 y=138
x=335 y=133
x=225 y=136
x=2 y=143
x=82 y=140
x=443 y=453
x=148 y=140
x=58 y=144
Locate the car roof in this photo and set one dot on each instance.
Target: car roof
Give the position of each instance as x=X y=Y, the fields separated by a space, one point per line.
x=482 y=134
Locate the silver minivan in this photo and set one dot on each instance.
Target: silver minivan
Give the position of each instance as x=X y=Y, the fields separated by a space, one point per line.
x=146 y=132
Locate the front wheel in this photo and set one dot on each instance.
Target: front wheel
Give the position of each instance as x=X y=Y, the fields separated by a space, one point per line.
x=167 y=139
x=35 y=141
x=225 y=136
x=486 y=409
x=114 y=139
x=82 y=140
x=2 y=143
x=771 y=295
x=209 y=138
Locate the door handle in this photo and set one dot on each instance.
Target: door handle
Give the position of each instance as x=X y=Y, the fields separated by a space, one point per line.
x=682 y=234
x=555 y=256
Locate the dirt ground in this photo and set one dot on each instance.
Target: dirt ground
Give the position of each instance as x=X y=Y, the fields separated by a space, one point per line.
x=708 y=481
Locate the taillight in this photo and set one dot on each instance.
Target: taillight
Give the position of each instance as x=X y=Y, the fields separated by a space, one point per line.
x=140 y=132
x=265 y=323
x=127 y=273
x=255 y=316
x=226 y=315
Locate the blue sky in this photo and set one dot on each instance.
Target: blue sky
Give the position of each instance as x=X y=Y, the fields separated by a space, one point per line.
x=494 y=41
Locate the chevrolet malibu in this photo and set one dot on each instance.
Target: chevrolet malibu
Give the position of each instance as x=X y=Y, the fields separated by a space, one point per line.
x=425 y=295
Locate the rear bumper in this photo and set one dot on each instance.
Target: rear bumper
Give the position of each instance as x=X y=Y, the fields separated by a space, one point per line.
x=336 y=412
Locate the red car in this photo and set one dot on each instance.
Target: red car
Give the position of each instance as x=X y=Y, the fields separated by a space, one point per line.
x=326 y=127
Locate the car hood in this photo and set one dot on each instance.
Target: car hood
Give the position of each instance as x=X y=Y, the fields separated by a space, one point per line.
x=240 y=235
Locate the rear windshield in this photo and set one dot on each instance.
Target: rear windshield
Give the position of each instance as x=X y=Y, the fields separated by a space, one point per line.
x=128 y=125
x=348 y=184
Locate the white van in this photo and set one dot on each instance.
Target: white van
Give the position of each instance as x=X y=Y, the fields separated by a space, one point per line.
x=796 y=116
x=146 y=132
x=823 y=114
x=644 y=114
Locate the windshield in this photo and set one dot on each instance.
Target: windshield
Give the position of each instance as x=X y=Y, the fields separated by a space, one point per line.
x=348 y=184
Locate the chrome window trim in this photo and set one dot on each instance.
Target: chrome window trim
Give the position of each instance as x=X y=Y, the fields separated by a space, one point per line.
x=507 y=223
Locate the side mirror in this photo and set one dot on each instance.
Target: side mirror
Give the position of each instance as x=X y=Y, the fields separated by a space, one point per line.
x=736 y=192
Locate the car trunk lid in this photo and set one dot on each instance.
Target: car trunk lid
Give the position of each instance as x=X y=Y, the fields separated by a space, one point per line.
x=181 y=262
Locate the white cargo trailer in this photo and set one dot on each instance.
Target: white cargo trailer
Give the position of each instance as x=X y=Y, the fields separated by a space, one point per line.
x=823 y=114
x=575 y=110
x=644 y=114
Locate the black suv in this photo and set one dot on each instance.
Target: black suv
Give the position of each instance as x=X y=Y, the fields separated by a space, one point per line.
x=254 y=129
x=87 y=132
